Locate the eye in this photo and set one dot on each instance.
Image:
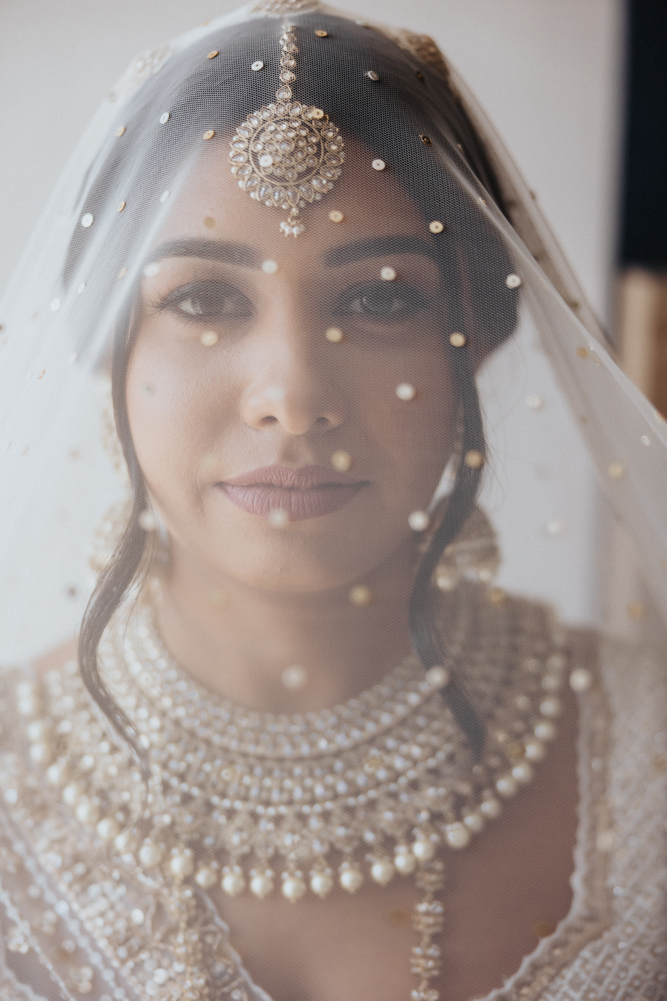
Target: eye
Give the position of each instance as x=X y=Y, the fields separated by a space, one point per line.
x=383 y=301
x=206 y=302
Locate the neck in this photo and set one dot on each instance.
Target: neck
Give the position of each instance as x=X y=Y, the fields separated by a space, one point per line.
x=238 y=641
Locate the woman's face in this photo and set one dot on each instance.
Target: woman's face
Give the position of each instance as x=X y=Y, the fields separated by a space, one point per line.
x=239 y=404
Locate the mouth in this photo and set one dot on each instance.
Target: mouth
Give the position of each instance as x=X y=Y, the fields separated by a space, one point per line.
x=308 y=492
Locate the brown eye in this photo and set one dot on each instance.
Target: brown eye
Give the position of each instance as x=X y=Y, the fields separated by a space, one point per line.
x=192 y=306
x=207 y=302
x=383 y=302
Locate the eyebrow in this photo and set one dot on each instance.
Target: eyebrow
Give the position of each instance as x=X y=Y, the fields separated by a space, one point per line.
x=376 y=247
x=210 y=250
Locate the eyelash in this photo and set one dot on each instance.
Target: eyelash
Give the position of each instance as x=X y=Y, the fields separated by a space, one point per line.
x=394 y=302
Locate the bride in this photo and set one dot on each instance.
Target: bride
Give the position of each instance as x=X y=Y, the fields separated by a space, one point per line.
x=303 y=746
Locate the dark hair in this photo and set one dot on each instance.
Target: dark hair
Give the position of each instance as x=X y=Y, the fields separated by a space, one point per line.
x=390 y=118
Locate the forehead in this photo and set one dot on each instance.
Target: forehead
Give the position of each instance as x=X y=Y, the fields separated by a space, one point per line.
x=364 y=203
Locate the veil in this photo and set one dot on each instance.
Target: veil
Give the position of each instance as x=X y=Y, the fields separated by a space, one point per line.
x=551 y=485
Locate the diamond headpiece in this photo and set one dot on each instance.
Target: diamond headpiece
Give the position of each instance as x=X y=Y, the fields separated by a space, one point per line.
x=287 y=154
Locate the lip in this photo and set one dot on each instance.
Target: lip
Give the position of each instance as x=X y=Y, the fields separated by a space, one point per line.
x=308 y=492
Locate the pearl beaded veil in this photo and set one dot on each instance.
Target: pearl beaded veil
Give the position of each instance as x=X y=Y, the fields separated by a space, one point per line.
x=292 y=237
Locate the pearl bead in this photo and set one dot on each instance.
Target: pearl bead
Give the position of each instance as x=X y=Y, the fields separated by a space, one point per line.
x=507 y=786
x=107 y=829
x=490 y=808
x=418 y=521
x=293 y=887
x=180 y=863
x=378 y=164
x=209 y=338
x=474 y=822
x=86 y=812
x=551 y=707
x=56 y=773
x=41 y=752
x=522 y=772
x=360 y=595
x=437 y=676
x=545 y=730
x=206 y=877
x=382 y=871
x=580 y=680
x=457 y=339
x=512 y=281
x=150 y=854
x=278 y=517
x=269 y=267
x=321 y=882
x=388 y=274
x=233 y=880
x=261 y=883
x=424 y=849
x=294 y=677
x=457 y=835
x=350 y=878
x=534 y=750
x=406 y=392
x=334 y=335
x=71 y=794
x=404 y=860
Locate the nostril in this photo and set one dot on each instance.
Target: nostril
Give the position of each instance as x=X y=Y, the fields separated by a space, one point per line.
x=322 y=420
x=269 y=419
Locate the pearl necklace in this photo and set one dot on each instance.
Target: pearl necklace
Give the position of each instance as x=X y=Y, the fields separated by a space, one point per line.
x=375 y=787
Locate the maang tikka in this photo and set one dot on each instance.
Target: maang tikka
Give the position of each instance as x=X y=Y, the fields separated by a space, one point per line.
x=288 y=153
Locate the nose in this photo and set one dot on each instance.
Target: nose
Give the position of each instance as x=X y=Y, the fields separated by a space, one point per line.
x=292 y=384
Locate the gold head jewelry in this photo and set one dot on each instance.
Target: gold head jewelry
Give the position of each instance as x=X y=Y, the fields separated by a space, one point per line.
x=287 y=154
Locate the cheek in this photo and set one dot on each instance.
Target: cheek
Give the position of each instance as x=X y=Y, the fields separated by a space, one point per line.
x=173 y=413
x=414 y=428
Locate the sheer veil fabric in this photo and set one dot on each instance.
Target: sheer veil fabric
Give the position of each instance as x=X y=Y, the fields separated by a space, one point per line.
x=308 y=434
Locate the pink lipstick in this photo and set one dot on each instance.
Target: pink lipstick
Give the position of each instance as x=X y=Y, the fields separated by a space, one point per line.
x=308 y=492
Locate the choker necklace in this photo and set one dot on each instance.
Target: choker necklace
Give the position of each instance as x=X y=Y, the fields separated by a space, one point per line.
x=380 y=786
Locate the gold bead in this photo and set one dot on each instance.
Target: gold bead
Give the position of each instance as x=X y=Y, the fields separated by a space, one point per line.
x=616 y=470
x=122 y=273
x=334 y=334
x=436 y=226
x=321 y=33
x=336 y=215
x=121 y=206
x=213 y=54
x=209 y=222
x=209 y=338
x=208 y=134
x=474 y=459
x=341 y=460
x=317 y=113
x=120 y=131
x=636 y=610
x=360 y=595
x=582 y=353
x=426 y=140
x=457 y=340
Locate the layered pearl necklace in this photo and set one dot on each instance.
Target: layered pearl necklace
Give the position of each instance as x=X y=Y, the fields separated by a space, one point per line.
x=378 y=786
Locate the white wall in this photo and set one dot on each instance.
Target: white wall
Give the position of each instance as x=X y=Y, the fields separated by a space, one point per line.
x=545 y=70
